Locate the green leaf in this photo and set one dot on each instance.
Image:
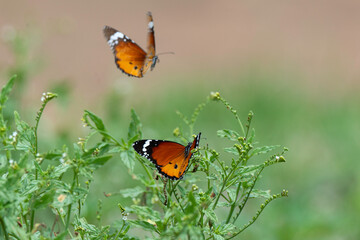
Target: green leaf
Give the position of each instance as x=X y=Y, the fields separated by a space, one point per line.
x=81 y=225
x=257 y=193
x=44 y=199
x=218 y=237
x=26 y=138
x=60 y=169
x=5 y=91
x=128 y=158
x=264 y=149
x=62 y=199
x=21 y=126
x=143 y=224
x=232 y=150
x=229 y=134
x=232 y=193
x=252 y=136
x=225 y=229
x=30 y=187
x=96 y=120
x=211 y=215
x=192 y=204
x=146 y=212
x=61 y=236
x=99 y=161
x=131 y=192
x=135 y=126
x=248 y=169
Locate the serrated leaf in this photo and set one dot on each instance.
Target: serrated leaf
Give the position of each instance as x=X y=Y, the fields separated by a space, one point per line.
x=232 y=150
x=128 y=158
x=30 y=187
x=217 y=237
x=60 y=169
x=257 y=193
x=99 y=161
x=232 y=193
x=44 y=200
x=86 y=172
x=135 y=126
x=21 y=126
x=142 y=224
x=247 y=169
x=252 y=136
x=210 y=214
x=61 y=236
x=96 y=120
x=62 y=199
x=116 y=149
x=6 y=89
x=146 y=212
x=229 y=134
x=226 y=229
x=81 y=225
x=131 y=192
x=264 y=149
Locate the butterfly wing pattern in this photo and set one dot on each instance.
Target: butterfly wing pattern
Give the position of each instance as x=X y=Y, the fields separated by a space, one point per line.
x=170 y=158
x=129 y=57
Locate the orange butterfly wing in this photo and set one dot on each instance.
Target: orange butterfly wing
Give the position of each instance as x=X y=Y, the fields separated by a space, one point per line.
x=129 y=57
x=170 y=158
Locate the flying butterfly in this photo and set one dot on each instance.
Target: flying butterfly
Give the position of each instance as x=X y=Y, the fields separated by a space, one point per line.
x=170 y=158
x=129 y=57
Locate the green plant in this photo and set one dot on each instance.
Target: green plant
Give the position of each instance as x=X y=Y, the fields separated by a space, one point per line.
x=206 y=204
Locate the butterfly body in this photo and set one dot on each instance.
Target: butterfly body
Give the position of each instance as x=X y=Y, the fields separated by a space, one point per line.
x=130 y=58
x=170 y=158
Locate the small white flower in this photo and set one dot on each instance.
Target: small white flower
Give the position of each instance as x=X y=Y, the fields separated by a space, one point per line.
x=277 y=157
x=14 y=134
x=42 y=99
x=62 y=160
x=124 y=217
x=38 y=155
x=11 y=162
x=64 y=155
x=11 y=137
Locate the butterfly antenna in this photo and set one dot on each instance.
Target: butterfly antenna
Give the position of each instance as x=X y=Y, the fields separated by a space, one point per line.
x=158 y=59
x=165 y=53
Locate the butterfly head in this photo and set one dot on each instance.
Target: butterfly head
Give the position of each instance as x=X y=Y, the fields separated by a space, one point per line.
x=155 y=60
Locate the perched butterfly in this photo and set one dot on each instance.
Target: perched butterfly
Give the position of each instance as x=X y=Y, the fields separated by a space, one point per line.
x=129 y=57
x=170 y=158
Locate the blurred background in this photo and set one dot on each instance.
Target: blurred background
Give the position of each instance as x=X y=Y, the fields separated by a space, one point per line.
x=295 y=64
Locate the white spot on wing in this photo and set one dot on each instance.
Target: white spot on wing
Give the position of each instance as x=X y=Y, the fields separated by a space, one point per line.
x=146 y=144
x=114 y=39
x=151 y=25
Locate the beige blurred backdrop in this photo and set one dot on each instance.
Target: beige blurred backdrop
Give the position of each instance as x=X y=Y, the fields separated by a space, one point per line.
x=309 y=36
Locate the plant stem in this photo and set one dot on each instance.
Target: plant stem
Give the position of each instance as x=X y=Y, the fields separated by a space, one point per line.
x=32 y=219
x=232 y=208
x=4 y=228
x=242 y=205
x=262 y=207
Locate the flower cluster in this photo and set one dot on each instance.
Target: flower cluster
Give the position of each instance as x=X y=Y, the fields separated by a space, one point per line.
x=63 y=157
x=47 y=96
x=13 y=138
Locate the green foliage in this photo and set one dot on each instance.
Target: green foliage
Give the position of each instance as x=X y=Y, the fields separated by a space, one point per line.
x=205 y=204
